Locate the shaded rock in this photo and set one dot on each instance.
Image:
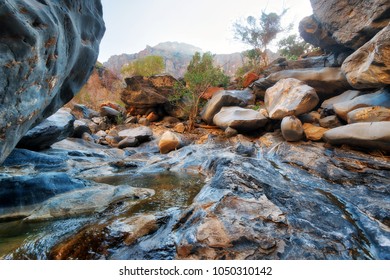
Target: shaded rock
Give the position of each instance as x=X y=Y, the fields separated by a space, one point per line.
x=369 y=66
x=79 y=127
x=169 y=142
x=346 y=96
x=240 y=119
x=292 y=129
x=55 y=128
x=375 y=135
x=312 y=117
x=109 y=112
x=98 y=123
x=144 y=121
x=131 y=119
x=226 y=98
x=230 y=132
x=369 y=114
x=249 y=78
x=209 y=93
x=313 y=132
x=48 y=52
x=378 y=98
x=141 y=133
x=289 y=97
x=330 y=122
x=86 y=112
x=88 y=137
x=128 y=142
x=327 y=81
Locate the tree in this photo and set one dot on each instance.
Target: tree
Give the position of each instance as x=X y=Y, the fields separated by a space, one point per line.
x=259 y=33
x=201 y=74
x=146 y=66
x=293 y=47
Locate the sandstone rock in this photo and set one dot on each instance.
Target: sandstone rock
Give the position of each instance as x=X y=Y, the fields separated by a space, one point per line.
x=374 y=135
x=240 y=119
x=54 y=129
x=141 y=133
x=312 y=132
x=352 y=23
x=369 y=66
x=292 y=129
x=289 y=97
x=169 y=142
x=369 y=114
x=327 y=81
x=226 y=98
x=378 y=98
x=152 y=117
x=249 y=78
x=128 y=142
x=48 y=52
x=180 y=128
x=346 y=96
x=330 y=122
x=86 y=112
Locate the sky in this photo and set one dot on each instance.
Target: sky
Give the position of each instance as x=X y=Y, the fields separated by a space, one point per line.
x=131 y=25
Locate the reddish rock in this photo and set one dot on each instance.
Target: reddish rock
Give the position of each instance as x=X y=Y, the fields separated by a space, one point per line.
x=209 y=93
x=153 y=117
x=249 y=78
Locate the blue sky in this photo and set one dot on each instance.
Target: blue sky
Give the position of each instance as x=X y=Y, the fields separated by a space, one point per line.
x=133 y=24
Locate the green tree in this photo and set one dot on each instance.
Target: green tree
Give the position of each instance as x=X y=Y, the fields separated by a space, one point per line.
x=201 y=74
x=146 y=66
x=259 y=33
x=293 y=47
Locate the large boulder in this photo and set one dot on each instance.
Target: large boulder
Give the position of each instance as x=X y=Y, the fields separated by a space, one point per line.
x=290 y=97
x=369 y=66
x=379 y=98
x=240 y=119
x=346 y=96
x=327 y=81
x=369 y=114
x=54 y=129
x=352 y=23
x=48 y=51
x=374 y=135
x=226 y=98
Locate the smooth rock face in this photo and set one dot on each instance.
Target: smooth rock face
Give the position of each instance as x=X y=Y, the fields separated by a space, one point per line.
x=369 y=114
x=226 y=98
x=327 y=81
x=346 y=96
x=54 y=129
x=375 y=135
x=48 y=52
x=141 y=133
x=313 y=132
x=369 y=66
x=128 y=142
x=379 y=98
x=169 y=142
x=240 y=119
x=289 y=97
x=292 y=129
x=352 y=22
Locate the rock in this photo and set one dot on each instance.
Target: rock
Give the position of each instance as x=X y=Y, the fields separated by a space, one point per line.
x=98 y=123
x=180 y=128
x=378 y=98
x=312 y=132
x=48 y=52
x=141 y=133
x=88 y=137
x=327 y=81
x=330 y=122
x=79 y=127
x=54 y=129
x=153 y=117
x=369 y=114
x=113 y=105
x=101 y=133
x=311 y=117
x=249 y=78
x=128 y=142
x=240 y=119
x=369 y=66
x=209 y=93
x=352 y=23
x=375 y=135
x=144 y=121
x=289 y=97
x=292 y=129
x=230 y=132
x=109 y=112
x=171 y=120
x=86 y=112
x=226 y=98
x=86 y=201
x=346 y=96
x=131 y=119
x=169 y=142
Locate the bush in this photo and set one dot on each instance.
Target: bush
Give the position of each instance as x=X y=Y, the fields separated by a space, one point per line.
x=146 y=66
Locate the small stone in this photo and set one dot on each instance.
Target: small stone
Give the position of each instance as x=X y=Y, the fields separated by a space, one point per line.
x=128 y=142
x=312 y=117
x=330 y=122
x=292 y=129
x=153 y=117
x=144 y=121
x=131 y=119
x=87 y=137
x=230 y=132
x=180 y=128
x=314 y=133
x=169 y=142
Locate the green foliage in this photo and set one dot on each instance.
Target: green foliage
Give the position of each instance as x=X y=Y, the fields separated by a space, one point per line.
x=293 y=46
x=201 y=74
x=146 y=66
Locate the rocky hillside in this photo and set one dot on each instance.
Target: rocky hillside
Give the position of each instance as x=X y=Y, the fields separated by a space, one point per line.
x=177 y=56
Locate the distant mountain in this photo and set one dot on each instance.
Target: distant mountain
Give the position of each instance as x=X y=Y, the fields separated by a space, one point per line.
x=177 y=56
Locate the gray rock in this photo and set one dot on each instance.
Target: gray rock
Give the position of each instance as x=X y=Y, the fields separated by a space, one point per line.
x=289 y=97
x=109 y=112
x=240 y=119
x=80 y=127
x=369 y=114
x=221 y=99
x=330 y=122
x=292 y=129
x=374 y=135
x=141 y=133
x=48 y=52
x=86 y=112
x=378 y=98
x=369 y=66
x=128 y=142
x=230 y=132
x=346 y=96
x=54 y=129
